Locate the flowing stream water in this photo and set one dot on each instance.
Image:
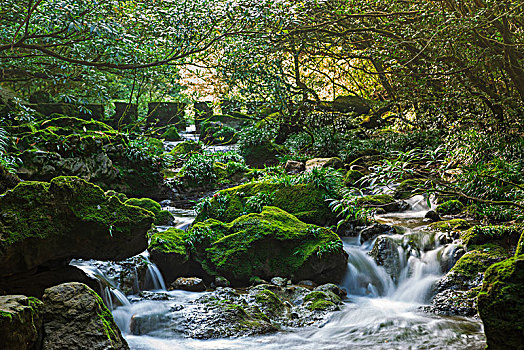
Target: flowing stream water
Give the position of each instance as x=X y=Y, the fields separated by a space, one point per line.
x=379 y=313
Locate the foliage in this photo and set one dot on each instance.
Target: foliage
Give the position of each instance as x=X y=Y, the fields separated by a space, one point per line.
x=349 y=210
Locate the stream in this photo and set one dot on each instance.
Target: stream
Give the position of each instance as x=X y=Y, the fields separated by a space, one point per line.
x=379 y=312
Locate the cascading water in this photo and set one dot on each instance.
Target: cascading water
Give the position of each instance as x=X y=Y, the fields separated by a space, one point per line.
x=380 y=312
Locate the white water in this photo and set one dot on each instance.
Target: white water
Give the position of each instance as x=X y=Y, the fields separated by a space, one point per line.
x=378 y=313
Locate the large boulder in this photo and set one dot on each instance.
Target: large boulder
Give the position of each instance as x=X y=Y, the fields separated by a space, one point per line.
x=42 y=223
x=305 y=201
x=272 y=243
x=348 y=104
x=91 y=150
x=20 y=322
x=75 y=317
x=501 y=304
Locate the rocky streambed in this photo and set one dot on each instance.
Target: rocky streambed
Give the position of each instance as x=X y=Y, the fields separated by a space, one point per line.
x=388 y=294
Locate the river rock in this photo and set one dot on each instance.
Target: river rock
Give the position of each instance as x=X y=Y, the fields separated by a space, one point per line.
x=279 y=281
x=64 y=219
x=191 y=284
x=433 y=216
x=294 y=167
x=501 y=304
x=76 y=318
x=385 y=252
x=375 y=230
x=272 y=243
x=221 y=282
x=20 y=322
x=333 y=162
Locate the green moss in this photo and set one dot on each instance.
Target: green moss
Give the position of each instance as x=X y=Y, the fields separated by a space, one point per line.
x=305 y=201
x=408 y=188
x=451 y=207
x=145 y=203
x=269 y=302
x=450 y=225
x=352 y=176
x=171 y=241
x=5 y=314
x=375 y=200
x=171 y=134
x=479 y=259
x=501 y=304
x=109 y=326
x=51 y=211
x=185 y=148
x=320 y=301
x=506 y=236
x=272 y=243
x=520 y=245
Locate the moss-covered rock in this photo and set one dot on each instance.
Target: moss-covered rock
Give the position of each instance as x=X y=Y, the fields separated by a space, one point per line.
x=185 y=148
x=451 y=207
x=272 y=243
x=169 y=251
x=171 y=134
x=352 y=176
x=477 y=261
x=264 y=154
x=162 y=217
x=76 y=317
x=450 y=225
x=322 y=301
x=333 y=162
x=304 y=201
x=384 y=201
x=67 y=218
x=90 y=150
x=408 y=188
x=501 y=304
x=20 y=322
x=505 y=236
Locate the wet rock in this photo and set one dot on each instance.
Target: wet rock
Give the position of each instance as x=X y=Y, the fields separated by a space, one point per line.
x=371 y=232
x=75 y=317
x=433 y=216
x=64 y=219
x=307 y=284
x=225 y=313
x=333 y=288
x=143 y=323
x=279 y=281
x=501 y=304
x=190 y=284
x=20 y=322
x=222 y=282
x=333 y=162
x=294 y=167
x=385 y=252
x=456 y=292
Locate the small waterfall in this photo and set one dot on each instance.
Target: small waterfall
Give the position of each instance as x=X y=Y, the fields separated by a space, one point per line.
x=364 y=277
x=153 y=275
x=111 y=295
